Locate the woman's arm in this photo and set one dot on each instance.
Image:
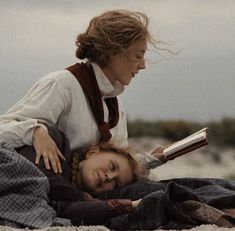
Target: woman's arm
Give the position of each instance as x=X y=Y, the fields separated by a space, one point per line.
x=21 y=125
x=43 y=103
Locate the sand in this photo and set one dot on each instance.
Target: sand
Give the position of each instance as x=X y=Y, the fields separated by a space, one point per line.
x=101 y=228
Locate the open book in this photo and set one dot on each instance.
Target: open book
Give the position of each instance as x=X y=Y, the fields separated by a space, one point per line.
x=188 y=144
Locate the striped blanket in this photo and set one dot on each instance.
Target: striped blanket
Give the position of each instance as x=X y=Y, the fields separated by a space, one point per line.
x=23 y=192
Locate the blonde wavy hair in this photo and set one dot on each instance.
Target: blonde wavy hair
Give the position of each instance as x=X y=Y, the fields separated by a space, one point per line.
x=138 y=169
x=110 y=33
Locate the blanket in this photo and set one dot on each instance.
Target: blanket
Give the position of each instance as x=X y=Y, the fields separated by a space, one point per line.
x=171 y=204
x=180 y=203
x=23 y=191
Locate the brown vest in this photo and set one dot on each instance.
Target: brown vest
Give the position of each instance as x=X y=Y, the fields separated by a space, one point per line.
x=86 y=77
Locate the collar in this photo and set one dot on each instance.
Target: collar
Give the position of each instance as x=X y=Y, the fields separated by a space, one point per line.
x=107 y=88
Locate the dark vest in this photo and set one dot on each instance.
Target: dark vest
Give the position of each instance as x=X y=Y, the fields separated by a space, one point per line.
x=85 y=75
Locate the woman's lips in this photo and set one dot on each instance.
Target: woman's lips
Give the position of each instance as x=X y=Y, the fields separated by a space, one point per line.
x=133 y=74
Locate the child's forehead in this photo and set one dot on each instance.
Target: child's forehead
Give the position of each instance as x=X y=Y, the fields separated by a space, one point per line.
x=110 y=153
x=113 y=155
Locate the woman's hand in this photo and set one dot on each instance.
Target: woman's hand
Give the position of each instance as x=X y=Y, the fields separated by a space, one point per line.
x=45 y=146
x=136 y=203
x=158 y=153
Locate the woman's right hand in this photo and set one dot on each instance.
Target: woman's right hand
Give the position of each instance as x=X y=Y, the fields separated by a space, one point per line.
x=45 y=147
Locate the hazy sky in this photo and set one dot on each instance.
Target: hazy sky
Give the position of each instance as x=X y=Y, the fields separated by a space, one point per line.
x=37 y=37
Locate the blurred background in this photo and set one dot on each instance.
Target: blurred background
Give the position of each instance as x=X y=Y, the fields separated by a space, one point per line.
x=176 y=94
x=37 y=37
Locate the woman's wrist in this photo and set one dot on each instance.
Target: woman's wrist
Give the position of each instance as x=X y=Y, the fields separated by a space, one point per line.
x=39 y=131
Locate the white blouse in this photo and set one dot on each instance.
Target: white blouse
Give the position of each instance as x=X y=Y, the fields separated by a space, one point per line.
x=58 y=99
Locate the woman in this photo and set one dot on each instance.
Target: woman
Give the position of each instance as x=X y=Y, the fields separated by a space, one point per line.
x=94 y=170
x=82 y=100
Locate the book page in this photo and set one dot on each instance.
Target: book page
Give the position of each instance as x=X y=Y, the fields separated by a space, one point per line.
x=186 y=142
x=202 y=130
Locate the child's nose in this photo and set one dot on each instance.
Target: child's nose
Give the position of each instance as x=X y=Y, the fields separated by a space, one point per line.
x=110 y=175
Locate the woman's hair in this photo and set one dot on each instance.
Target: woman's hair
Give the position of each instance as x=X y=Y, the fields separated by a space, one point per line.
x=138 y=169
x=110 y=33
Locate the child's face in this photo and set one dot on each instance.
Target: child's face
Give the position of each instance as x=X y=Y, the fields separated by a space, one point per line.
x=104 y=171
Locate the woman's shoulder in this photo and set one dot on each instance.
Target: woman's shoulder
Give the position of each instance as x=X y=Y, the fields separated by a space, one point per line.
x=62 y=78
x=60 y=82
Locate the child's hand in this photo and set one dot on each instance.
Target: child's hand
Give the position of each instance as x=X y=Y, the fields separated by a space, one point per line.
x=45 y=146
x=136 y=203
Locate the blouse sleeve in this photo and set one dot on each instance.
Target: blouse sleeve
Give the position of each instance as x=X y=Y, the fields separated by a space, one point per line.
x=43 y=103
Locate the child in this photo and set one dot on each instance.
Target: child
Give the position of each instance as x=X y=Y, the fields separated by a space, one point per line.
x=94 y=170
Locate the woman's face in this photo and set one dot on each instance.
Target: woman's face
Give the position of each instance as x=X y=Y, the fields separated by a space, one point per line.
x=104 y=171
x=125 y=65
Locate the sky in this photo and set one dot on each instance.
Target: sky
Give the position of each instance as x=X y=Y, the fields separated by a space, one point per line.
x=37 y=37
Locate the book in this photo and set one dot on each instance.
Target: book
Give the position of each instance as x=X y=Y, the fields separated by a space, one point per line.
x=188 y=144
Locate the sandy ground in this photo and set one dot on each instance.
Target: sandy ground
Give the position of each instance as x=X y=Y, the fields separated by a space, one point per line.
x=205 y=162
x=101 y=228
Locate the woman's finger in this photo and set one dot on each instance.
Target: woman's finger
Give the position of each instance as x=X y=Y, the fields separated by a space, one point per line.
x=38 y=157
x=157 y=148
x=46 y=161
x=57 y=160
x=53 y=162
x=61 y=156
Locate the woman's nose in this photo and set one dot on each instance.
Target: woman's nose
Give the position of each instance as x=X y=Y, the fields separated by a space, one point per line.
x=142 y=65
